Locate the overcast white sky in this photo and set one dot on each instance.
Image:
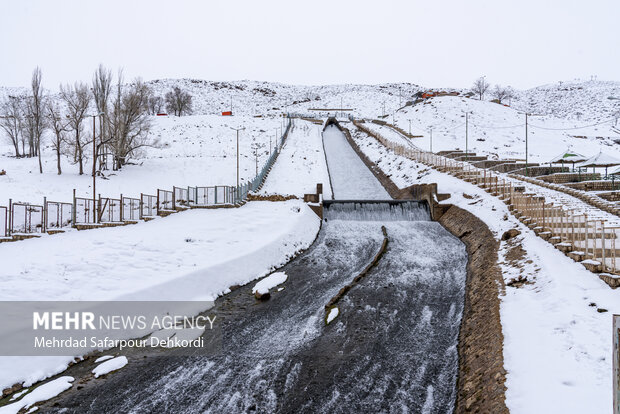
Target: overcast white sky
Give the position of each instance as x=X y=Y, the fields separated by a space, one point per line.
x=523 y=43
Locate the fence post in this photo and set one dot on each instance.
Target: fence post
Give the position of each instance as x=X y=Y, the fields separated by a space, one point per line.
x=44 y=215
x=141 y=205
x=73 y=212
x=174 y=206
x=122 y=205
x=99 y=213
x=10 y=229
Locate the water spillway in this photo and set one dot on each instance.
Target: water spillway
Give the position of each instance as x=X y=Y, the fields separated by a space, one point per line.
x=349 y=176
x=375 y=210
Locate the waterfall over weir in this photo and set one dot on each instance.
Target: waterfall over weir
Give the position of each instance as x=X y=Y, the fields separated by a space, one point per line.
x=371 y=210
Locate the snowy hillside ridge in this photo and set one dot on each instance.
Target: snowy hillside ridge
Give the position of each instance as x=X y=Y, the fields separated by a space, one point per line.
x=574 y=100
x=499 y=131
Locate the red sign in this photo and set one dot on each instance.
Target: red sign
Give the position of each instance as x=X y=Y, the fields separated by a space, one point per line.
x=227 y=113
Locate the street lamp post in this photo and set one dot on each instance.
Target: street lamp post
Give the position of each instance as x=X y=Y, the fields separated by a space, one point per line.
x=237 y=129
x=95 y=169
x=467 y=136
x=431 y=139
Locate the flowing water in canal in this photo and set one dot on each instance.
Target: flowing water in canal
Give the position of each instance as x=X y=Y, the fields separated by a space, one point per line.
x=392 y=348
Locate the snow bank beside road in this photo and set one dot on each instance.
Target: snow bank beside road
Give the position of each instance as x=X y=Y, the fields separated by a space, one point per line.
x=194 y=255
x=157 y=260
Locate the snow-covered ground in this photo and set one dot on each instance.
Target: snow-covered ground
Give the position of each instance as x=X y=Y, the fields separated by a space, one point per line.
x=499 y=131
x=193 y=255
x=301 y=165
x=557 y=347
x=188 y=151
x=350 y=178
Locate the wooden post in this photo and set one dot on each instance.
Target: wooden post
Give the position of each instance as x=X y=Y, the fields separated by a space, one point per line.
x=122 y=205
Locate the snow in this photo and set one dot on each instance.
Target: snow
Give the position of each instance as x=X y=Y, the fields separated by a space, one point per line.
x=109 y=366
x=590 y=261
x=499 y=131
x=41 y=393
x=194 y=255
x=301 y=165
x=333 y=313
x=350 y=177
x=103 y=358
x=190 y=151
x=557 y=350
x=271 y=281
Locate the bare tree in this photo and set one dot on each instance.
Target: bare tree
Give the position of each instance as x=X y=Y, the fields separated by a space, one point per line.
x=36 y=114
x=102 y=89
x=510 y=94
x=77 y=99
x=179 y=101
x=60 y=126
x=12 y=121
x=500 y=93
x=480 y=87
x=155 y=104
x=129 y=121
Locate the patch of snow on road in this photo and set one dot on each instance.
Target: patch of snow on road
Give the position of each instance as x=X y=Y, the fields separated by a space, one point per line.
x=42 y=393
x=269 y=282
x=333 y=313
x=110 y=365
x=103 y=358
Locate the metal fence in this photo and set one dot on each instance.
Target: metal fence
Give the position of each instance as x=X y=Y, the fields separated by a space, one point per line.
x=130 y=209
x=109 y=210
x=148 y=205
x=4 y=222
x=25 y=218
x=58 y=215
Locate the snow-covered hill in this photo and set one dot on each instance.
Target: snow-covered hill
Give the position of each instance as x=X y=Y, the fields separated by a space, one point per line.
x=499 y=131
x=575 y=100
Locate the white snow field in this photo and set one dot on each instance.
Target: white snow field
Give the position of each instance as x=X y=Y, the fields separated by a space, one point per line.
x=350 y=178
x=499 y=131
x=557 y=347
x=301 y=164
x=188 y=151
x=190 y=256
